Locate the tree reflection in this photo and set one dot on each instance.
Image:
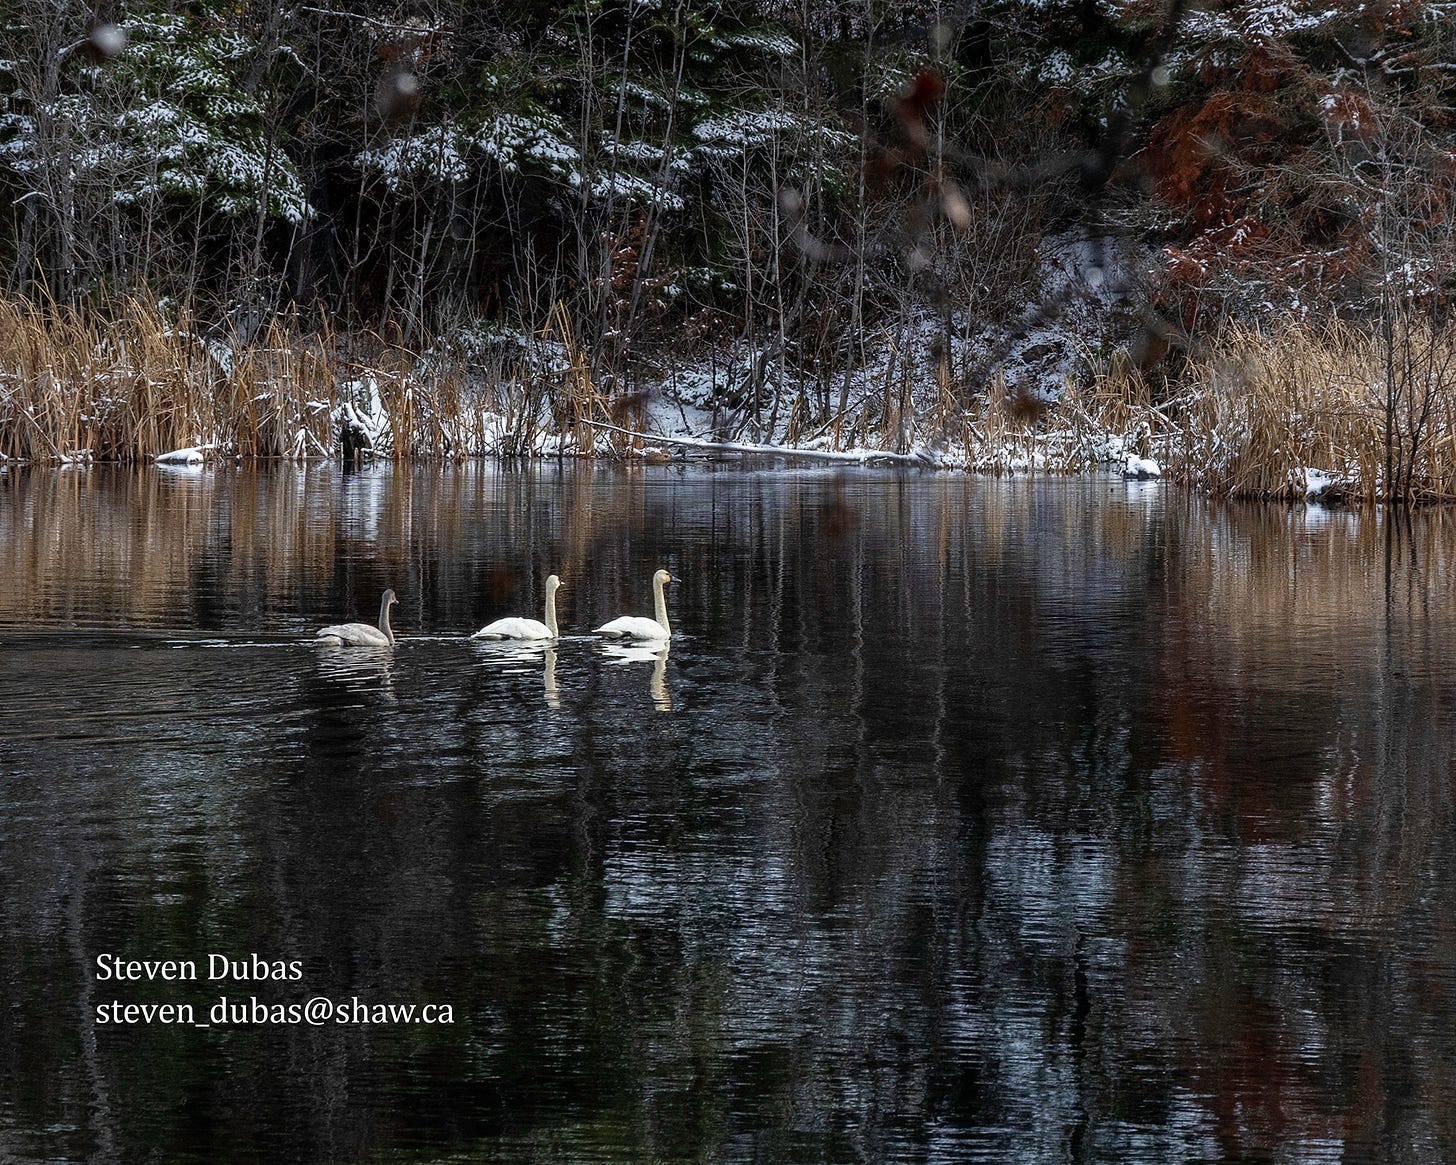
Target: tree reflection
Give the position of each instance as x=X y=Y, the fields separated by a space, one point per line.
x=992 y=820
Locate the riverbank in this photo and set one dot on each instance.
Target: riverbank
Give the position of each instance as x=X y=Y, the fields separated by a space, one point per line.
x=1335 y=410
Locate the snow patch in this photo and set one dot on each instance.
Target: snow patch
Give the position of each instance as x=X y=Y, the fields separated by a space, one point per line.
x=191 y=455
x=1141 y=468
x=1318 y=484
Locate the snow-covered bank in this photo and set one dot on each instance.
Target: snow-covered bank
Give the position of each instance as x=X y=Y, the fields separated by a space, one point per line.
x=1293 y=414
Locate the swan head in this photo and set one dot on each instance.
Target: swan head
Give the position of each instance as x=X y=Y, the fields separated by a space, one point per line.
x=390 y=598
x=662 y=577
x=552 y=582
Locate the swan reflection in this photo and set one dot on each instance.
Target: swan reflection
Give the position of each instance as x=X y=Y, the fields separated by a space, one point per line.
x=553 y=695
x=656 y=653
x=356 y=668
x=529 y=653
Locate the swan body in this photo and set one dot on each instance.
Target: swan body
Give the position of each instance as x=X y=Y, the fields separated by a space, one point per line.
x=639 y=627
x=362 y=634
x=514 y=628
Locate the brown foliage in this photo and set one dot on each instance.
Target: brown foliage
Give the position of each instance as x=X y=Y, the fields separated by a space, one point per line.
x=1190 y=149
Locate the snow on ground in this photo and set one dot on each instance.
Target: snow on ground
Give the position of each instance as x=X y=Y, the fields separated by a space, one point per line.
x=1319 y=485
x=361 y=411
x=1141 y=468
x=191 y=455
x=704 y=406
x=1002 y=400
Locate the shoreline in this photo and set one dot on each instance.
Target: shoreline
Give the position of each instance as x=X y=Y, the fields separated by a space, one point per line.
x=1297 y=412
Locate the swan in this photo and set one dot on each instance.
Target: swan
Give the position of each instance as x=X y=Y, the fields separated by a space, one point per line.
x=362 y=634
x=637 y=627
x=526 y=628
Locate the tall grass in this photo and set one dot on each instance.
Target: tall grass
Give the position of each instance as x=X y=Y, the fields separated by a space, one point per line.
x=134 y=382
x=1247 y=416
x=1365 y=411
x=131 y=381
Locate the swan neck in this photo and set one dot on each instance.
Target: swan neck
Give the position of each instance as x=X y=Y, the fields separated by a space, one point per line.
x=659 y=604
x=551 y=611
x=384 y=619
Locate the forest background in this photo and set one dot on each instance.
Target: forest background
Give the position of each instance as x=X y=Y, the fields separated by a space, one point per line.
x=1215 y=241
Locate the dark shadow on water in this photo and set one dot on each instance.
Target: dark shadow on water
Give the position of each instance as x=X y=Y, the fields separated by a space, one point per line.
x=963 y=821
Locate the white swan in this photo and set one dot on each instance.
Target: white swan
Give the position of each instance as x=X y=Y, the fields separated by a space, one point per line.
x=514 y=628
x=362 y=634
x=637 y=627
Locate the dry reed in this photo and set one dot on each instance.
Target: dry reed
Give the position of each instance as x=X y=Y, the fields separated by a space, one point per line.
x=1373 y=409
x=134 y=381
x=1250 y=414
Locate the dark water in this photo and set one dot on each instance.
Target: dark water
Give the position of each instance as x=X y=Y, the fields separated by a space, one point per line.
x=965 y=821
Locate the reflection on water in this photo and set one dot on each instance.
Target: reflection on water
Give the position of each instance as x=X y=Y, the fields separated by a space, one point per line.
x=523 y=657
x=654 y=653
x=991 y=821
x=552 y=692
x=359 y=668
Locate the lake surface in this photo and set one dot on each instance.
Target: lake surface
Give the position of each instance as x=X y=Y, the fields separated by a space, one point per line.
x=964 y=821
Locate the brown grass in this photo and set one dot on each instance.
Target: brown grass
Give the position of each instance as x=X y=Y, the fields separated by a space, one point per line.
x=1242 y=417
x=134 y=383
x=130 y=382
x=1253 y=409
